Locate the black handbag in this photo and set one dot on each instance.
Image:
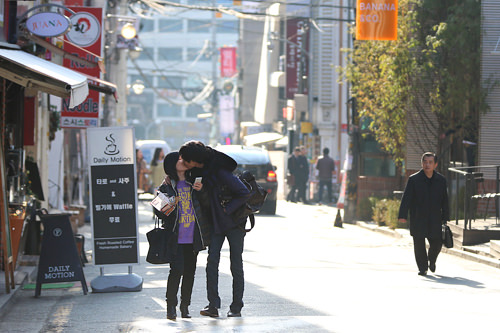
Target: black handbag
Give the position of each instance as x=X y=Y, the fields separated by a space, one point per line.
x=159 y=248
x=447 y=236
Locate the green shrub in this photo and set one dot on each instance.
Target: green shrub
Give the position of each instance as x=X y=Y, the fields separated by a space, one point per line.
x=386 y=213
x=379 y=212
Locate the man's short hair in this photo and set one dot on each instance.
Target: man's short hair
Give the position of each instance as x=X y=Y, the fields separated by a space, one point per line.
x=326 y=151
x=194 y=151
x=429 y=154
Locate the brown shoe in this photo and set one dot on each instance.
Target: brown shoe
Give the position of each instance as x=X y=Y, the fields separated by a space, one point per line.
x=210 y=312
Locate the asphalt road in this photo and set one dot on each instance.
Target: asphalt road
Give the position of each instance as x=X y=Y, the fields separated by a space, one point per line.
x=302 y=275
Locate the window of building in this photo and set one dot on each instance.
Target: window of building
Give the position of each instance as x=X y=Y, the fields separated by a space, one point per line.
x=375 y=162
x=167 y=110
x=165 y=25
x=192 y=53
x=199 y=25
x=146 y=25
x=227 y=27
x=170 y=53
x=169 y=82
x=193 y=110
x=376 y=165
x=147 y=53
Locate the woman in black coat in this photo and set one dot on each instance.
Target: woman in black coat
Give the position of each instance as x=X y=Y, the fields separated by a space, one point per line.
x=190 y=231
x=426 y=198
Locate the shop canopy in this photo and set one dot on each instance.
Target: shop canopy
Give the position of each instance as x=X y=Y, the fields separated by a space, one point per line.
x=30 y=71
x=261 y=138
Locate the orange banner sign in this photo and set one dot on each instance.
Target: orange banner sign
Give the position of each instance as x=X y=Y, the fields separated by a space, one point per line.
x=377 y=20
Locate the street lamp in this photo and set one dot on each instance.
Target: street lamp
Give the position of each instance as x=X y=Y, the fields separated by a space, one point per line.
x=121 y=44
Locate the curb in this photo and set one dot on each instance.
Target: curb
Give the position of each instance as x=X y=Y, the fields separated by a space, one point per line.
x=402 y=233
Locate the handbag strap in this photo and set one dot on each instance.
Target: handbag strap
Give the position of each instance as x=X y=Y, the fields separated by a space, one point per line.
x=157 y=222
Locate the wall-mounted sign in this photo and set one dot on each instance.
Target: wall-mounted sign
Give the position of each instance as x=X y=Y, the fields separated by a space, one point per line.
x=377 y=20
x=48 y=24
x=86 y=29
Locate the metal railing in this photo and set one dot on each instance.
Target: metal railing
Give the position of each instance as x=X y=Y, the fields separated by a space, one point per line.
x=465 y=180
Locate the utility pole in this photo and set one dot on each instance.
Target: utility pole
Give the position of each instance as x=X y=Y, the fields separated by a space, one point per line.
x=115 y=113
x=214 y=131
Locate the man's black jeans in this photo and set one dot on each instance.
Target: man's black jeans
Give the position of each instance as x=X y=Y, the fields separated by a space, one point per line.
x=235 y=237
x=423 y=259
x=184 y=266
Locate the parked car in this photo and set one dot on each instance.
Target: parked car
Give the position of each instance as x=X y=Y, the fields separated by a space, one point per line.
x=148 y=148
x=257 y=161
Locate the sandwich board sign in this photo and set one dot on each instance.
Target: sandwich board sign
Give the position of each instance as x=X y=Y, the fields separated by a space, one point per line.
x=113 y=198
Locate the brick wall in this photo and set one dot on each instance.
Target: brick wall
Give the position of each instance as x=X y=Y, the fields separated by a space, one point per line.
x=377 y=186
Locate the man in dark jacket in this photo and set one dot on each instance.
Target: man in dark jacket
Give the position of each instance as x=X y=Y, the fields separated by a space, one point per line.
x=426 y=197
x=218 y=174
x=298 y=167
x=326 y=168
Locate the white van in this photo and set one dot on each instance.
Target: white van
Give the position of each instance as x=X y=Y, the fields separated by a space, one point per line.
x=148 y=148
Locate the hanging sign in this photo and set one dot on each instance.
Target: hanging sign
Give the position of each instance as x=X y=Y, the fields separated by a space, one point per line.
x=48 y=24
x=86 y=33
x=228 y=62
x=113 y=195
x=377 y=19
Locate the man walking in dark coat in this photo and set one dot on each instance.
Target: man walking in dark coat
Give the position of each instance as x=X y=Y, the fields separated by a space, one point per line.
x=326 y=169
x=426 y=197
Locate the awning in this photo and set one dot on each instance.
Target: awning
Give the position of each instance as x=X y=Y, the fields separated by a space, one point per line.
x=102 y=86
x=260 y=138
x=53 y=48
x=33 y=72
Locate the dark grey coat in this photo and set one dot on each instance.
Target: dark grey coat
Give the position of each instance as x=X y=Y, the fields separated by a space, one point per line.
x=427 y=201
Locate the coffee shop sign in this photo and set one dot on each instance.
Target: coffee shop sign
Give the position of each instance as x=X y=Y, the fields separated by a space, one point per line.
x=48 y=24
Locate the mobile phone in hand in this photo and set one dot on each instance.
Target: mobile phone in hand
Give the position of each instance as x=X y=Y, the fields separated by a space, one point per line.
x=197 y=180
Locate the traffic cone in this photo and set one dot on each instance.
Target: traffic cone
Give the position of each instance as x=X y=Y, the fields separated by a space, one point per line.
x=338 y=220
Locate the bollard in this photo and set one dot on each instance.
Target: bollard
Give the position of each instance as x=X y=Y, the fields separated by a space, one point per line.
x=338 y=220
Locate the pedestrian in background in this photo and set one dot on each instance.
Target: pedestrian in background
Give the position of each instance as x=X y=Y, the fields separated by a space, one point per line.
x=142 y=171
x=426 y=198
x=302 y=175
x=326 y=170
x=190 y=229
x=293 y=165
x=157 y=171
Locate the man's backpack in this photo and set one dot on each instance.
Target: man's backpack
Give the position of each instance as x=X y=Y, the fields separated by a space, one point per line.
x=254 y=202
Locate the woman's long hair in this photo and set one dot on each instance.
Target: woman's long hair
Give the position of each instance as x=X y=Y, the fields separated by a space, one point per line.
x=156 y=156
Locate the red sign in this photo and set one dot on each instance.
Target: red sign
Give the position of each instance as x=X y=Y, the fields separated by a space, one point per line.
x=228 y=62
x=297 y=62
x=86 y=33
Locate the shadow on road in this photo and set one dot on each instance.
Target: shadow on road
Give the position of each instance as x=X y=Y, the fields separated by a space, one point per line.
x=455 y=281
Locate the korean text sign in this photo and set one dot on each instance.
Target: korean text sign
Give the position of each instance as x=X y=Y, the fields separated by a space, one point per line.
x=113 y=194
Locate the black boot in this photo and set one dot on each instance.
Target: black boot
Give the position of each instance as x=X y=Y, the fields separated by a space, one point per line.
x=184 y=311
x=171 y=312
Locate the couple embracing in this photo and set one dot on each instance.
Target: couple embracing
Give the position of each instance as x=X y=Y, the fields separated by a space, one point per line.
x=195 y=175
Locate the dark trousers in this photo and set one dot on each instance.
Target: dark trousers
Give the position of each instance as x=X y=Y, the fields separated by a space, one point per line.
x=235 y=237
x=421 y=256
x=301 y=191
x=291 y=194
x=328 y=184
x=184 y=266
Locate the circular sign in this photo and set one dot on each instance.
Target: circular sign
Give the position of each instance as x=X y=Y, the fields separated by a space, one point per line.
x=57 y=232
x=48 y=24
x=86 y=29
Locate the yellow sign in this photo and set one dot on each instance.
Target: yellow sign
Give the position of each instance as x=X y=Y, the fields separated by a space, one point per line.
x=377 y=20
x=306 y=127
